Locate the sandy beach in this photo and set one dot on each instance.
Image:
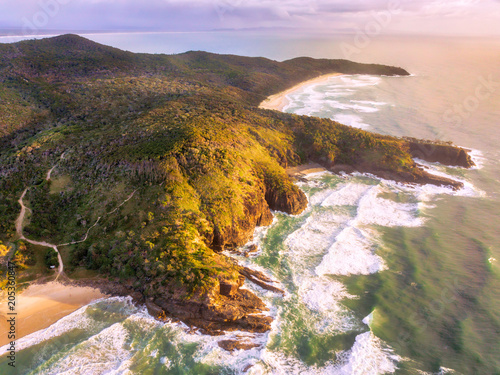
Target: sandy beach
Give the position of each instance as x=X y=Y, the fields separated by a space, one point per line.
x=279 y=101
x=41 y=305
x=305 y=169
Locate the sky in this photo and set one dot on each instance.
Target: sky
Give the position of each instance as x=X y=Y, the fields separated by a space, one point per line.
x=433 y=17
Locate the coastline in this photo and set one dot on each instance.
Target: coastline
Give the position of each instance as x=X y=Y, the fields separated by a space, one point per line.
x=279 y=101
x=300 y=171
x=41 y=305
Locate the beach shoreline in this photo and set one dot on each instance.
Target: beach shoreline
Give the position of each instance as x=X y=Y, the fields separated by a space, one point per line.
x=279 y=101
x=302 y=170
x=41 y=305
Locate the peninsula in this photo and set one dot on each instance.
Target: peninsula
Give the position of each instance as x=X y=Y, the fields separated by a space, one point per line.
x=140 y=169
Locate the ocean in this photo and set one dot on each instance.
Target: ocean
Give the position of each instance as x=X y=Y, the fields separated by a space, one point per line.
x=380 y=278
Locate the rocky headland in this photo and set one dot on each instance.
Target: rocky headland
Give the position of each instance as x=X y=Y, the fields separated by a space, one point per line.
x=167 y=162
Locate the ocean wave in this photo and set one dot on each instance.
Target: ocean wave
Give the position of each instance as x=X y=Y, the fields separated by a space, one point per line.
x=103 y=353
x=351 y=120
x=326 y=99
x=353 y=253
x=368 y=356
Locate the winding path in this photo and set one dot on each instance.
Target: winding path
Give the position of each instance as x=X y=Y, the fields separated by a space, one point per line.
x=19 y=230
x=22 y=214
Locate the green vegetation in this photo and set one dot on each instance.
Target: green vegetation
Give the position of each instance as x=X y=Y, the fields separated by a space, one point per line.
x=161 y=160
x=50 y=258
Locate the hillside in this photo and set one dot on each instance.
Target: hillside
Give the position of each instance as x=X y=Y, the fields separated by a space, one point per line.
x=159 y=162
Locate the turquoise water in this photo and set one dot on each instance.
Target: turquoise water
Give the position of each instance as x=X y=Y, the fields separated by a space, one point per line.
x=379 y=277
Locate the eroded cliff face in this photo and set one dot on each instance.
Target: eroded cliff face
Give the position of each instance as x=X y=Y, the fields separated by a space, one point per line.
x=441 y=153
x=226 y=306
x=257 y=212
x=292 y=202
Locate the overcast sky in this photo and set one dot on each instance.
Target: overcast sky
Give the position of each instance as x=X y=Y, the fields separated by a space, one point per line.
x=463 y=17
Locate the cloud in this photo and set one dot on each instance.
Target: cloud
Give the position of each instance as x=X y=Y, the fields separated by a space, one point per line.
x=196 y=15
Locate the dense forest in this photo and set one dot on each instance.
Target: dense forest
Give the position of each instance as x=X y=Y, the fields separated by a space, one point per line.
x=162 y=161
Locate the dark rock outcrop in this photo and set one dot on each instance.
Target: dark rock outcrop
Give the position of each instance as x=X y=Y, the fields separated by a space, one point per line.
x=251 y=250
x=224 y=308
x=259 y=279
x=231 y=345
x=215 y=313
x=292 y=202
x=257 y=213
x=446 y=154
x=229 y=289
x=417 y=176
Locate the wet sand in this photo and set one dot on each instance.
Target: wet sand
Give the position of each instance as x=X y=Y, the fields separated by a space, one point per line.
x=305 y=169
x=41 y=305
x=279 y=101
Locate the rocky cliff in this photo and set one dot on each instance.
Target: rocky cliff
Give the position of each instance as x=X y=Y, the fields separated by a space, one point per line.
x=226 y=307
x=446 y=154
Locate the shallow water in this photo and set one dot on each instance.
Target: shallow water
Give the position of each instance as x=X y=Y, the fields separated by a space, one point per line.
x=379 y=277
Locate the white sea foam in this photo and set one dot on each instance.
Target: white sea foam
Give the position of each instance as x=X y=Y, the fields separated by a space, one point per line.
x=352 y=81
x=352 y=120
x=351 y=243
x=348 y=194
x=428 y=191
x=166 y=362
x=375 y=210
x=103 y=353
x=76 y=320
x=334 y=104
x=351 y=254
x=368 y=320
x=316 y=234
x=321 y=294
x=368 y=356
x=326 y=99
x=357 y=108
x=478 y=158
x=369 y=102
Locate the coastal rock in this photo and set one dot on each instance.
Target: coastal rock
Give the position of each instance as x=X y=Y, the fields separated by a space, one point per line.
x=232 y=345
x=228 y=288
x=446 y=154
x=256 y=213
x=292 y=202
x=417 y=176
x=259 y=279
x=214 y=312
x=153 y=309
x=251 y=250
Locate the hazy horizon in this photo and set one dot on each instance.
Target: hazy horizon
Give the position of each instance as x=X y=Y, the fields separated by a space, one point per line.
x=372 y=17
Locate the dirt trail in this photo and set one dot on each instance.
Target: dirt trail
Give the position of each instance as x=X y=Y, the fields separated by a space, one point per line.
x=22 y=214
x=19 y=231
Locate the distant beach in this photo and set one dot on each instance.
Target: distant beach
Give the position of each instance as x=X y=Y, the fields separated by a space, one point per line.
x=41 y=305
x=305 y=169
x=279 y=101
